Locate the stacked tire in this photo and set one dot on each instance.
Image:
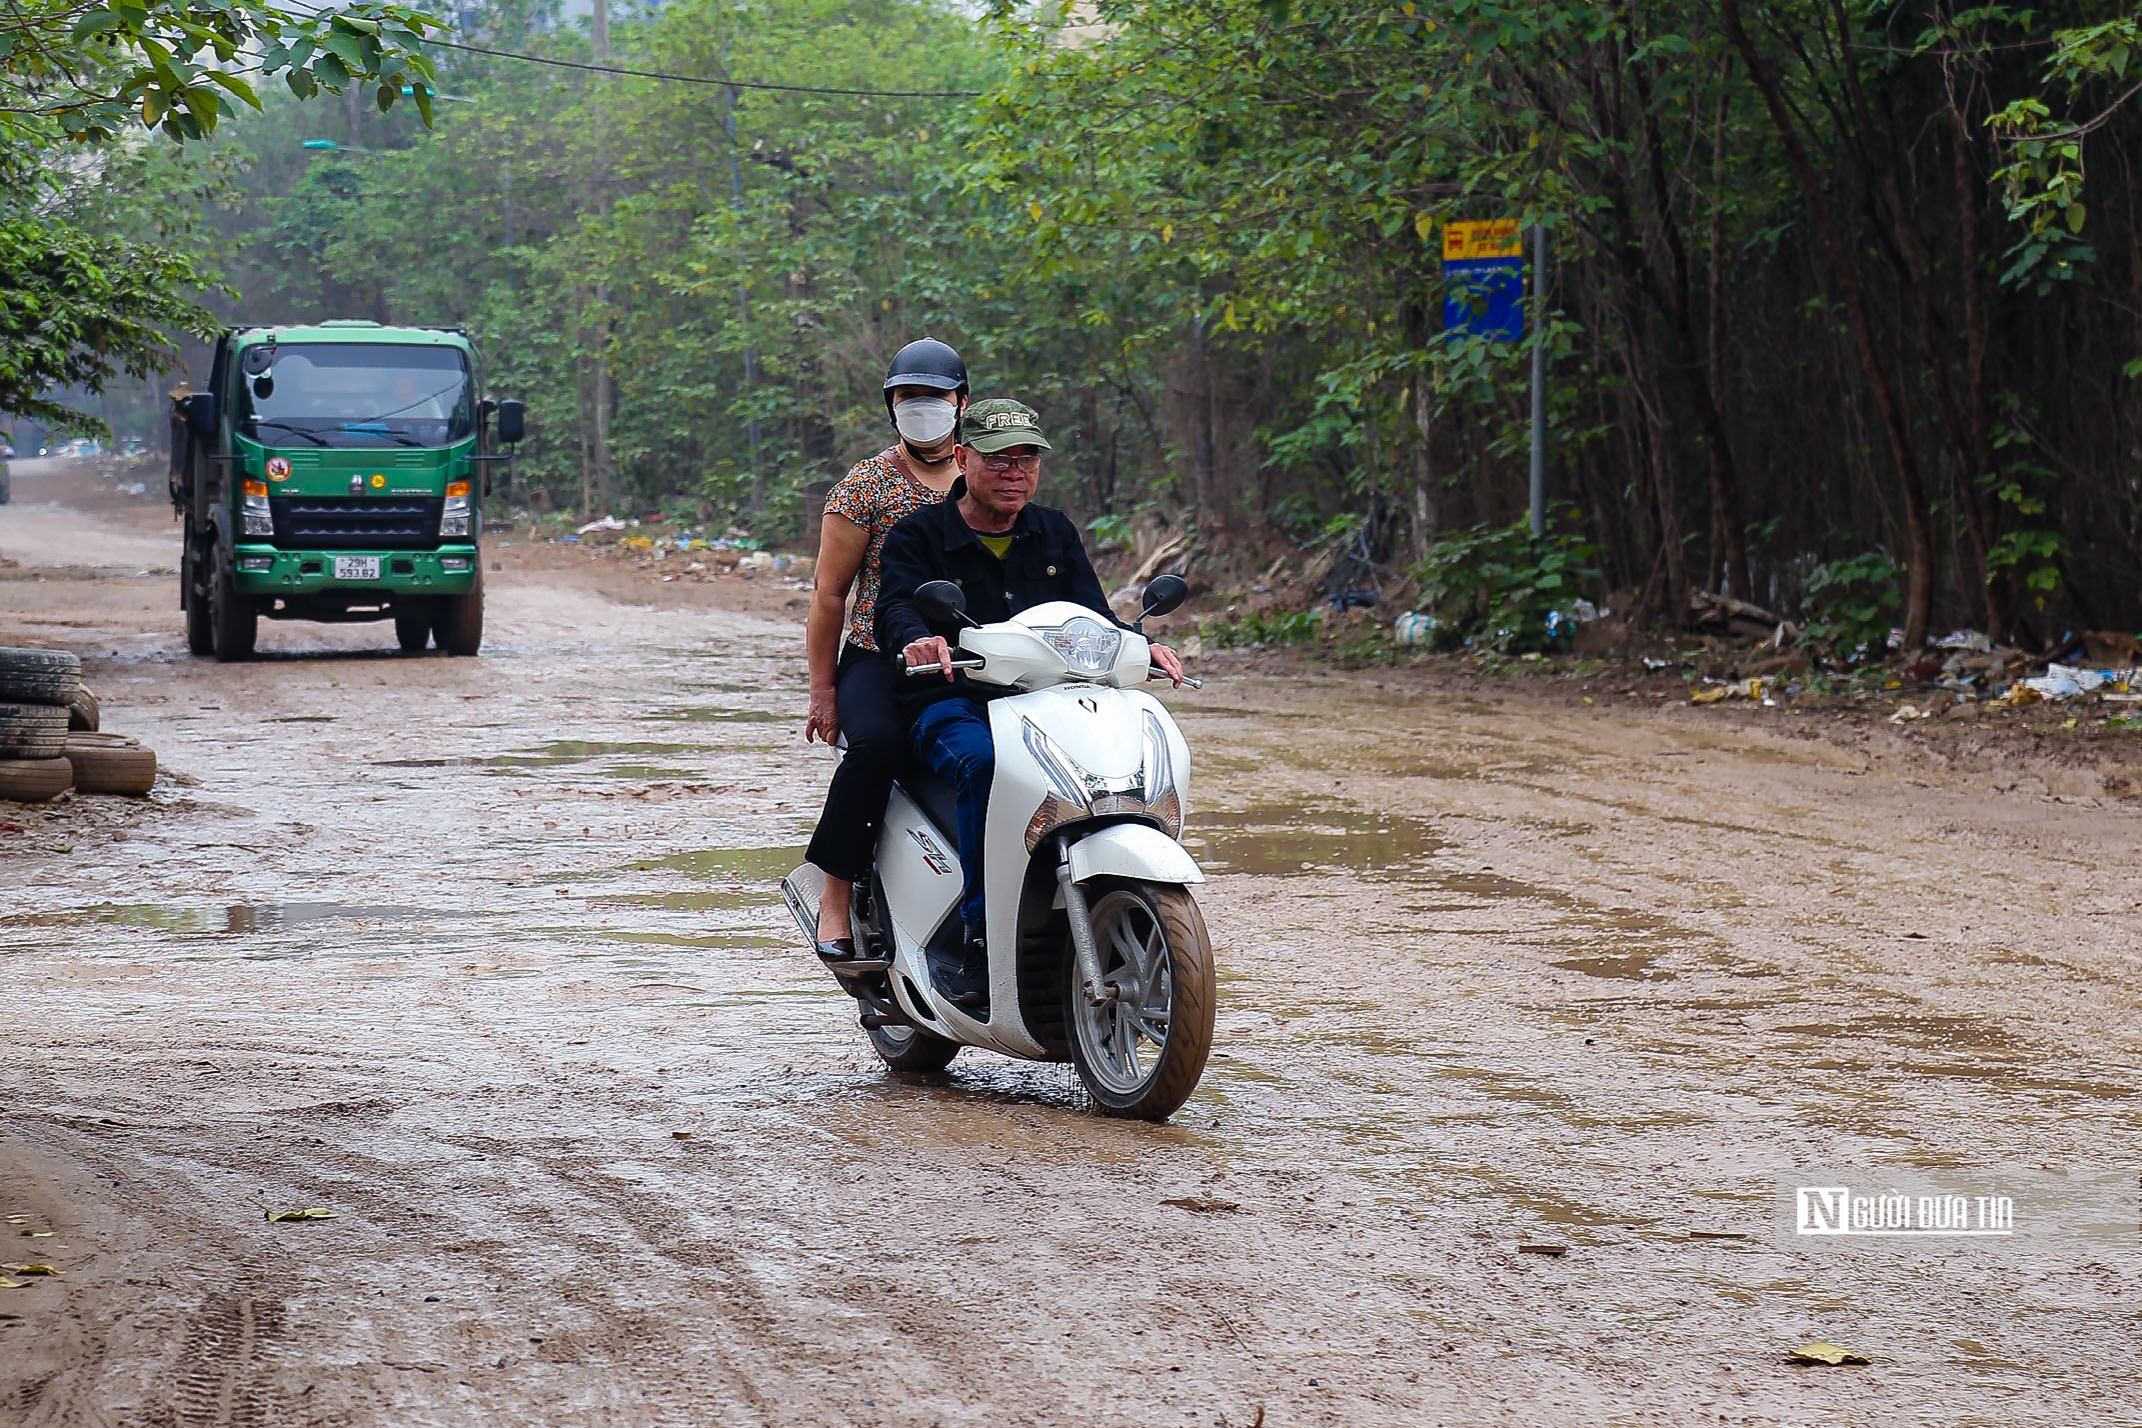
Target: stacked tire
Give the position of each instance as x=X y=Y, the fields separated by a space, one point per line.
x=49 y=736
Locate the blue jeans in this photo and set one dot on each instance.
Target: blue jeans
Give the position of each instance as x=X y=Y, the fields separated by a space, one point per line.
x=952 y=737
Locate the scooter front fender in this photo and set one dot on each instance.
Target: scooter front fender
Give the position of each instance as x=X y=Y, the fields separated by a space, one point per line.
x=1132 y=850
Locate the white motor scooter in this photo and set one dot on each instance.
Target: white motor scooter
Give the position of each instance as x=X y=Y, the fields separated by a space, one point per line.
x=1097 y=954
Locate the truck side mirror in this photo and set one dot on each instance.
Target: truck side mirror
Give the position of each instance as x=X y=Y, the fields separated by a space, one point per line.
x=201 y=415
x=512 y=421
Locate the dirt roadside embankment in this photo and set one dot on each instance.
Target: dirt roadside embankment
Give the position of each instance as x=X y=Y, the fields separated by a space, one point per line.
x=484 y=957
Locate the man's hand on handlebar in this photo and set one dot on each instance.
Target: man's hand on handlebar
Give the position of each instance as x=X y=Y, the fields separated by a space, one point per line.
x=933 y=650
x=1170 y=663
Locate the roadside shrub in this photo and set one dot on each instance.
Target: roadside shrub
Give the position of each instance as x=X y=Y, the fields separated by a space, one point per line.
x=1293 y=627
x=1495 y=586
x=1850 y=607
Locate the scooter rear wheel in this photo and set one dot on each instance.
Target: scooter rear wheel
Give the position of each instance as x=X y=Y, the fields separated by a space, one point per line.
x=903 y=1048
x=1141 y=1054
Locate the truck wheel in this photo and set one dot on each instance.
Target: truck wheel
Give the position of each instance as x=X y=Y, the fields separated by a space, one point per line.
x=200 y=634
x=459 y=623
x=111 y=763
x=412 y=626
x=233 y=621
x=39 y=676
x=34 y=780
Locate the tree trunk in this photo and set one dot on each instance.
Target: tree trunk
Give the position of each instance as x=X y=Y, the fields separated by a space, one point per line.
x=1918 y=524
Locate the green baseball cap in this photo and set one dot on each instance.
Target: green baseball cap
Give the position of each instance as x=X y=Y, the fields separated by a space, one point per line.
x=997 y=423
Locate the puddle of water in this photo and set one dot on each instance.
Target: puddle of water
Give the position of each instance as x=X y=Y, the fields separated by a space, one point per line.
x=722 y=900
x=651 y=772
x=717 y=714
x=709 y=941
x=751 y=865
x=576 y=751
x=1630 y=967
x=1277 y=839
x=232 y=918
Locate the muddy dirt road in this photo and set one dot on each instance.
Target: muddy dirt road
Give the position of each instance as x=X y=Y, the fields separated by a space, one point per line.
x=485 y=956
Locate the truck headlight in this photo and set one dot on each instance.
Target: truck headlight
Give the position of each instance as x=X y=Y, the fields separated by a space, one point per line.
x=454 y=515
x=1088 y=646
x=254 y=512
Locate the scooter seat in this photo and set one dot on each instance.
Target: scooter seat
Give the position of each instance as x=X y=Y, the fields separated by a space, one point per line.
x=937 y=799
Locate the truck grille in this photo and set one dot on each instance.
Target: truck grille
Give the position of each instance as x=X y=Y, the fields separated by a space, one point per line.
x=359 y=523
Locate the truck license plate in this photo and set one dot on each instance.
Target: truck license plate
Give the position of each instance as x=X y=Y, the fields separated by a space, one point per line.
x=356 y=567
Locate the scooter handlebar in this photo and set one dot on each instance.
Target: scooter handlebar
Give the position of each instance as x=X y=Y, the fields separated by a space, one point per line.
x=958 y=662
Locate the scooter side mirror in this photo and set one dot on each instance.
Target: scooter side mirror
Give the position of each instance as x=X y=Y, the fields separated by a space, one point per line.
x=942 y=603
x=1164 y=595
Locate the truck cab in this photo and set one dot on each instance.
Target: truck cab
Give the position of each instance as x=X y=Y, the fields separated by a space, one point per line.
x=335 y=472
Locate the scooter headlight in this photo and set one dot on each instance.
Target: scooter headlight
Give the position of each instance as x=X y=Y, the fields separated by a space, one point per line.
x=1087 y=645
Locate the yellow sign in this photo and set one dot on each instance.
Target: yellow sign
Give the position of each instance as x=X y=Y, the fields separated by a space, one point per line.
x=378 y=482
x=1482 y=238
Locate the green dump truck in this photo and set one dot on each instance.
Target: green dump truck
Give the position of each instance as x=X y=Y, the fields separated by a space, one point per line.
x=335 y=472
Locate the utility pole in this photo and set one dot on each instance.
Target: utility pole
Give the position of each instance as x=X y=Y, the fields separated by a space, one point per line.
x=1539 y=381
x=743 y=295
x=604 y=393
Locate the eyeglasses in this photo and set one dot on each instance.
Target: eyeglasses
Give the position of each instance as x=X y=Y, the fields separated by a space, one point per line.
x=1029 y=462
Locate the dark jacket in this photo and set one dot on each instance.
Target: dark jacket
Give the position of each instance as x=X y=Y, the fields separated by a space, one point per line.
x=1047 y=561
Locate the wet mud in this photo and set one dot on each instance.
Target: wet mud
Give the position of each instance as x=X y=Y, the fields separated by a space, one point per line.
x=486 y=957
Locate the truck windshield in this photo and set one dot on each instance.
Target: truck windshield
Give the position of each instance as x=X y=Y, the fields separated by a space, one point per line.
x=359 y=394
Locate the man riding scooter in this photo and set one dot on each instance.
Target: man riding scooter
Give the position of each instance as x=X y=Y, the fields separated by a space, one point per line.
x=1006 y=554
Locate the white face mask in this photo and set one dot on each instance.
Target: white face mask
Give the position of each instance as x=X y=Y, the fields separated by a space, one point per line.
x=925 y=420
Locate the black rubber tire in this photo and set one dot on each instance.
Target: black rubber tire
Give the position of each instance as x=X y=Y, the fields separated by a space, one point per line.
x=904 y=1048
x=1193 y=986
x=458 y=625
x=38 y=676
x=32 y=731
x=412 y=626
x=233 y=622
x=83 y=712
x=111 y=763
x=34 y=780
x=200 y=634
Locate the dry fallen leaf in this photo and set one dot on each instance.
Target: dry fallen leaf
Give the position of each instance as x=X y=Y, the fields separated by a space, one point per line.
x=1716 y=1235
x=29 y=1268
x=14 y=1284
x=1201 y=1206
x=1822 y=1353
x=1543 y=1249
x=276 y=1216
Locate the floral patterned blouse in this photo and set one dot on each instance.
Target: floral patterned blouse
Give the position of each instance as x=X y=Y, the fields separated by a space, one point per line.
x=875 y=494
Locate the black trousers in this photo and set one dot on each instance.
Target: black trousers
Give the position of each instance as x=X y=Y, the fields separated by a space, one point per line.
x=867 y=693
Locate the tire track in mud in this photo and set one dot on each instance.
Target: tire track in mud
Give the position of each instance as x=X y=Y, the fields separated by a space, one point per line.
x=225 y=1365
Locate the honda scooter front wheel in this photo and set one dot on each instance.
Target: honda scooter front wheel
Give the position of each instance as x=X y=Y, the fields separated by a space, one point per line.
x=1141 y=1051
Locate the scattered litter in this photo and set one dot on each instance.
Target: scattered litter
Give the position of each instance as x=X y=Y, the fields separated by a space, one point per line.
x=1543 y=1249
x=2065 y=681
x=1752 y=689
x=1200 y=1206
x=1908 y=712
x=14 y=1283
x=317 y=1213
x=1655 y=665
x=1970 y=640
x=1414 y=628
x=1822 y=1353
x=680 y=1135
x=601 y=523
x=29 y=1268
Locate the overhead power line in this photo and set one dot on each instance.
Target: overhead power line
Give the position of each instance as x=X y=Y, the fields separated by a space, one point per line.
x=706 y=79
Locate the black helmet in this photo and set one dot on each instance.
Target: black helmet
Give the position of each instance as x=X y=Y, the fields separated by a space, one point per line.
x=925 y=362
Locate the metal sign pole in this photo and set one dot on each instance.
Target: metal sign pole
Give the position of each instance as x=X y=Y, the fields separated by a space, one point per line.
x=1539 y=383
